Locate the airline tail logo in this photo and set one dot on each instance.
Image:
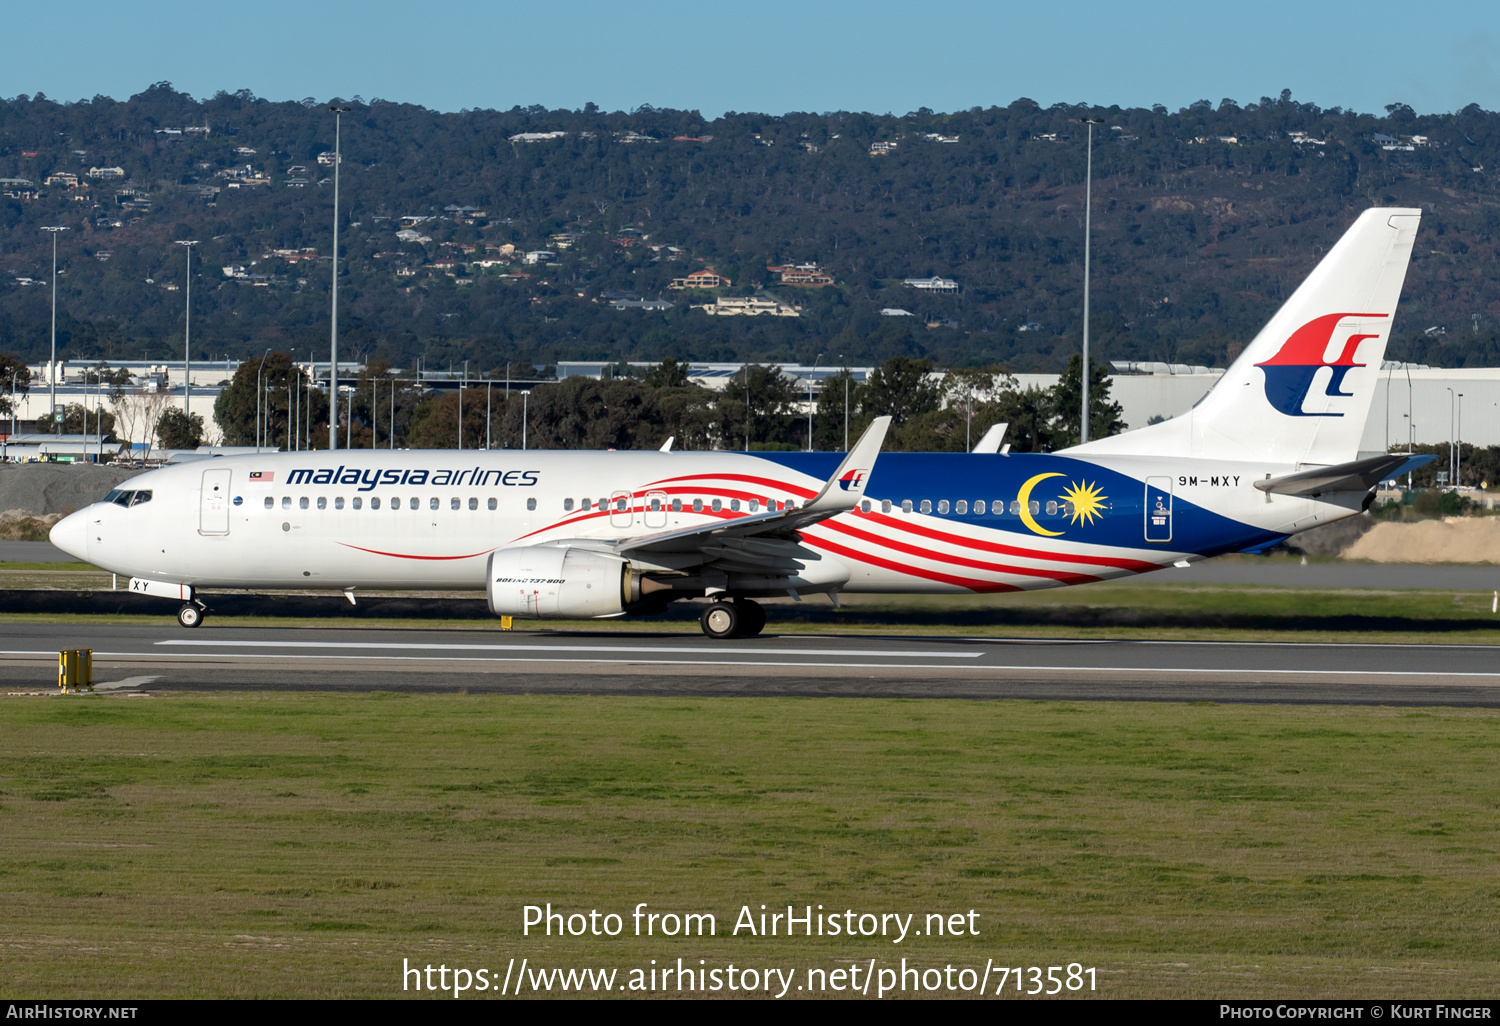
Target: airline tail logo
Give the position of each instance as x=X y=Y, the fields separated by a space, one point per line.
x=853 y=480
x=1290 y=373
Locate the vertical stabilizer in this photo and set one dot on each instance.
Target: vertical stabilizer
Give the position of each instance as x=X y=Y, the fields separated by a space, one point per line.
x=1300 y=392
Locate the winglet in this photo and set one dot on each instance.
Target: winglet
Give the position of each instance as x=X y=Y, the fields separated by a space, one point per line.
x=990 y=443
x=847 y=485
x=667 y=445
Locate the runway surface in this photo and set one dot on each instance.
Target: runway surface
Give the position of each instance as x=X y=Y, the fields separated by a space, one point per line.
x=130 y=658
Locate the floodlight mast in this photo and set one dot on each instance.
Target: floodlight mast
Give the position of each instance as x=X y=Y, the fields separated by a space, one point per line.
x=187 y=333
x=52 y=375
x=1088 y=213
x=333 y=339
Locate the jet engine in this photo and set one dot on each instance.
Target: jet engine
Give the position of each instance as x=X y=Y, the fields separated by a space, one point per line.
x=538 y=581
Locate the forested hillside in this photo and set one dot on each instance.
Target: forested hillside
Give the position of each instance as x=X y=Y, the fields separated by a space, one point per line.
x=1205 y=219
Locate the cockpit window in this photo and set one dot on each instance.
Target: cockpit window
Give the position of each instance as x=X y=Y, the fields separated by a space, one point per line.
x=118 y=497
x=140 y=497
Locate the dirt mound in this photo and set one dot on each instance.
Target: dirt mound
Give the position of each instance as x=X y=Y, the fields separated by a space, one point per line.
x=1455 y=540
x=39 y=489
x=1330 y=539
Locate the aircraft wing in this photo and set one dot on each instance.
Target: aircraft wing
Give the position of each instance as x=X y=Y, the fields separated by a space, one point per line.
x=771 y=531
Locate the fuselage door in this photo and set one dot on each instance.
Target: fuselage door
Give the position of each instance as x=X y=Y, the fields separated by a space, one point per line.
x=620 y=512
x=1158 y=509
x=213 y=510
x=655 y=509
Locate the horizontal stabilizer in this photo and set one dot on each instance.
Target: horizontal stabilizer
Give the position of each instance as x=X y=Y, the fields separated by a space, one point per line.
x=1359 y=476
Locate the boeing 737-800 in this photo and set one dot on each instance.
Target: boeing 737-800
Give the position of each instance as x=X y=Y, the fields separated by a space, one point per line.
x=1273 y=449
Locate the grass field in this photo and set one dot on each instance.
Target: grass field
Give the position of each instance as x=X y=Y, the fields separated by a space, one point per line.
x=290 y=844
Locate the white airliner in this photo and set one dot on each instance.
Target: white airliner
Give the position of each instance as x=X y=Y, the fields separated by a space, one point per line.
x=1273 y=449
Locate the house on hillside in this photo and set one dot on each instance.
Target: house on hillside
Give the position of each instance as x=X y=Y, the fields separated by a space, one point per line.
x=106 y=172
x=880 y=149
x=540 y=256
x=64 y=179
x=707 y=278
x=531 y=137
x=933 y=284
x=748 y=306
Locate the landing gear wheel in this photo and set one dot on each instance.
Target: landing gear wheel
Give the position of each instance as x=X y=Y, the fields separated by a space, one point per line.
x=721 y=620
x=752 y=618
x=190 y=615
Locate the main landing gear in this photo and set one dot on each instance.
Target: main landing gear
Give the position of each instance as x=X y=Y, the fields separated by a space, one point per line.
x=738 y=619
x=190 y=615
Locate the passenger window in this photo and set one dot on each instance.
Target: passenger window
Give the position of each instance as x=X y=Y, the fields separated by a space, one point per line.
x=338 y=502
x=1015 y=507
x=455 y=503
x=531 y=504
x=473 y=503
x=358 y=502
x=374 y=502
x=567 y=505
x=140 y=498
x=926 y=506
x=619 y=504
x=270 y=502
x=1036 y=507
x=656 y=505
x=754 y=505
x=718 y=505
x=1052 y=509
x=322 y=502
x=885 y=505
x=864 y=505
x=494 y=503
x=942 y=505
x=302 y=502
x=286 y=502
x=585 y=505
x=978 y=505
x=697 y=505
x=960 y=506
x=432 y=503
x=734 y=505
x=676 y=505
x=906 y=505
x=416 y=503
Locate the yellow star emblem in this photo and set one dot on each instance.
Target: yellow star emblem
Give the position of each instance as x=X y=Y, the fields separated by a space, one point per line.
x=1087 y=502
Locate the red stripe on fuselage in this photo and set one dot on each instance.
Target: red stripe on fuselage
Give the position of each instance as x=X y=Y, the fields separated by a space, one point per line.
x=1136 y=565
x=1061 y=576
x=403 y=555
x=911 y=571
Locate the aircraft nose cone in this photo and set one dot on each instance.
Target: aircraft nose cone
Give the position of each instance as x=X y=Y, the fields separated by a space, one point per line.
x=71 y=534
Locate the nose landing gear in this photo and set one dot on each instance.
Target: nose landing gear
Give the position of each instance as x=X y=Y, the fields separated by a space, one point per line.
x=738 y=619
x=190 y=615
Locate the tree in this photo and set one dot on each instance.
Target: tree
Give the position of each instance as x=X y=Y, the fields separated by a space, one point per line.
x=1067 y=403
x=900 y=388
x=757 y=408
x=667 y=374
x=179 y=431
x=79 y=419
x=15 y=378
x=829 y=417
x=240 y=412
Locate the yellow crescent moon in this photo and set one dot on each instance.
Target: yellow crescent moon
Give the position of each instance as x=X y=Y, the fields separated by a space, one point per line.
x=1024 y=497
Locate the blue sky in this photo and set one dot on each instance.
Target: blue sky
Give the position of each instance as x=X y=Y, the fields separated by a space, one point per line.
x=768 y=56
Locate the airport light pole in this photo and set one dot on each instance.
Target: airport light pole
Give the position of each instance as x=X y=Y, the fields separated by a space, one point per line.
x=52 y=373
x=810 y=403
x=259 y=401
x=1451 y=394
x=525 y=400
x=1458 y=443
x=847 y=376
x=1088 y=213
x=187 y=331
x=333 y=337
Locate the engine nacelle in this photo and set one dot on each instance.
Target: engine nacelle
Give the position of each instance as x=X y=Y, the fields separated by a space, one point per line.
x=540 y=581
